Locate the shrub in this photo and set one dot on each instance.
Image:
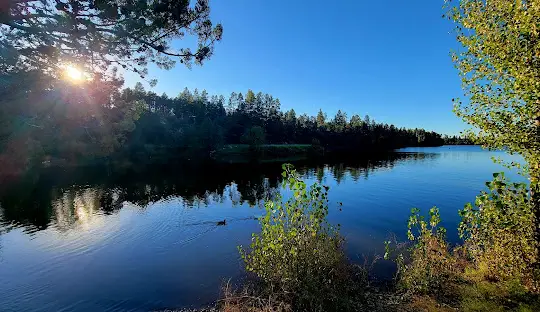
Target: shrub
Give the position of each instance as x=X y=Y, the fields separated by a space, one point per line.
x=299 y=256
x=494 y=268
x=499 y=233
x=431 y=267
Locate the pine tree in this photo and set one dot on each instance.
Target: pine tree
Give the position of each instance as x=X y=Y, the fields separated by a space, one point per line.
x=98 y=34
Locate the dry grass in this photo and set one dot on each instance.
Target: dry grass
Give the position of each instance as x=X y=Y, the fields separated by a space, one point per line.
x=249 y=299
x=425 y=304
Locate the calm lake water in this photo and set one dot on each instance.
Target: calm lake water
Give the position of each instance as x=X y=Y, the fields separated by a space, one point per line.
x=146 y=240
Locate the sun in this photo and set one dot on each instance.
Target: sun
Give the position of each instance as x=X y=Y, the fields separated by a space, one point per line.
x=73 y=73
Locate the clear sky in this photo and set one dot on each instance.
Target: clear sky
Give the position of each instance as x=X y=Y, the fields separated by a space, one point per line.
x=386 y=58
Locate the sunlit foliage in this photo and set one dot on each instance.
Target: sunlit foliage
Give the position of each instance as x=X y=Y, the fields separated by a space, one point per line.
x=500 y=71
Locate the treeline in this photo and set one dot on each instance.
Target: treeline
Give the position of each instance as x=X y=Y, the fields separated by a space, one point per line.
x=197 y=124
x=457 y=140
x=46 y=121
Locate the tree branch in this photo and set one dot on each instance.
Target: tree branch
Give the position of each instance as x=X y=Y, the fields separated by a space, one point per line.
x=143 y=42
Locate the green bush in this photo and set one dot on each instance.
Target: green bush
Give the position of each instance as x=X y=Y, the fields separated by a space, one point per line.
x=499 y=233
x=494 y=268
x=430 y=267
x=299 y=256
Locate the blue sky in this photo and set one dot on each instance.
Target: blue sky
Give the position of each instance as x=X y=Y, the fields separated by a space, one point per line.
x=386 y=58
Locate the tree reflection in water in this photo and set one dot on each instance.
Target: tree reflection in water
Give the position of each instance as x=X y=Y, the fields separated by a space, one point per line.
x=74 y=197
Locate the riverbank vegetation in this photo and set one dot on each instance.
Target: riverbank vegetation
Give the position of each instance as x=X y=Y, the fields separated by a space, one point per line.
x=492 y=270
x=298 y=259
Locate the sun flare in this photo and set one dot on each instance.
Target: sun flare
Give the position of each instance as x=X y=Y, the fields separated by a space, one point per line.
x=74 y=73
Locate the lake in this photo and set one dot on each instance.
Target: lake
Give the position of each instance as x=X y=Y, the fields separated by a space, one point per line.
x=92 y=240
